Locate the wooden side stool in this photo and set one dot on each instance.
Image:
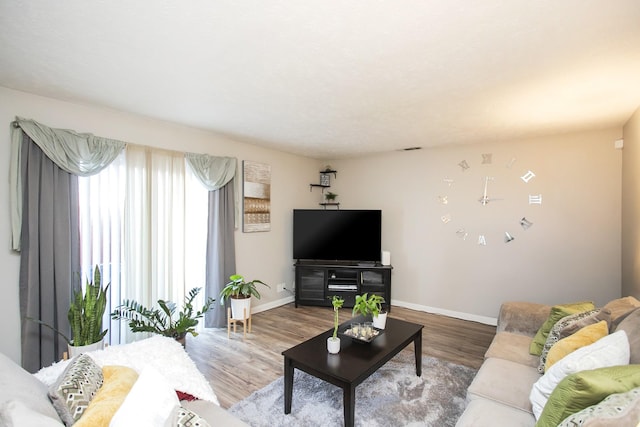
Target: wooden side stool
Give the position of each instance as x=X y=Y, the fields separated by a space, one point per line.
x=245 y=320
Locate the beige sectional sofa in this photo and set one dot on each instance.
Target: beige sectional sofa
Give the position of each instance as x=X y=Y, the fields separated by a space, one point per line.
x=500 y=393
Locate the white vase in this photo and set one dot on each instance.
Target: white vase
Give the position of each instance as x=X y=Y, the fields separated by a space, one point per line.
x=333 y=345
x=76 y=350
x=380 y=320
x=240 y=308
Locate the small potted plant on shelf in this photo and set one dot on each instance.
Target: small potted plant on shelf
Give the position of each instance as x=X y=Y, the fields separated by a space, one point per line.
x=371 y=305
x=239 y=293
x=333 y=342
x=330 y=197
x=85 y=317
x=161 y=320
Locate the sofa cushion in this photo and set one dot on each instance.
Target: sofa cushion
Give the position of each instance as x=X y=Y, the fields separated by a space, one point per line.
x=522 y=318
x=514 y=347
x=568 y=326
x=586 y=388
x=505 y=382
x=484 y=412
x=616 y=410
x=213 y=414
x=557 y=313
x=75 y=388
x=585 y=336
x=14 y=413
x=611 y=350
x=621 y=306
x=118 y=381
x=18 y=385
x=150 y=402
x=631 y=325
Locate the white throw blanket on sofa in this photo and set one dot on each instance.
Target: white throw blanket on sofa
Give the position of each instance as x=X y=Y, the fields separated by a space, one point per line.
x=165 y=354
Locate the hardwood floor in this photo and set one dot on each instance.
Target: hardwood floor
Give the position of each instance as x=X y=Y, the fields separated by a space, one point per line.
x=258 y=361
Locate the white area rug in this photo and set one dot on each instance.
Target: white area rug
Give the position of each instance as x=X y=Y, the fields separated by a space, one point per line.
x=393 y=396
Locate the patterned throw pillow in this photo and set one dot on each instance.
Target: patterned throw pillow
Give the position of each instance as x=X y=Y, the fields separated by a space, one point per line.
x=572 y=322
x=187 y=418
x=619 y=409
x=75 y=388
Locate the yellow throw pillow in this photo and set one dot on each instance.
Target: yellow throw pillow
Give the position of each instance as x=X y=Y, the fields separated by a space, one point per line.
x=585 y=336
x=557 y=313
x=118 y=381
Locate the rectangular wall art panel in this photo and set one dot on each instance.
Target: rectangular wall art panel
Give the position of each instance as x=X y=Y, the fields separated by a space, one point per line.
x=257 y=197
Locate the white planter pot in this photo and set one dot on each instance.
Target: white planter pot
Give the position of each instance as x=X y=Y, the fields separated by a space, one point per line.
x=333 y=345
x=380 y=320
x=78 y=350
x=240 y=308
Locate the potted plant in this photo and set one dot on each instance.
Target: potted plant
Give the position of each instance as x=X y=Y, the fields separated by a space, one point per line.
x=371 y=305
x=239 y=293
x=161 y=320
x=331 y=197
x=85 y=317
x=333 y=342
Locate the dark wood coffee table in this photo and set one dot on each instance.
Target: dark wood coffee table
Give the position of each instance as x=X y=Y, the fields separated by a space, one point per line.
x=355 y=362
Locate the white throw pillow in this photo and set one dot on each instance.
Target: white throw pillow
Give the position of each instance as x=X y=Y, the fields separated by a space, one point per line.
x=611 y=350
x=150 y=403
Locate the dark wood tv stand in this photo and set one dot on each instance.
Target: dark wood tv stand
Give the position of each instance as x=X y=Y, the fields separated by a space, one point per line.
x=318 y=281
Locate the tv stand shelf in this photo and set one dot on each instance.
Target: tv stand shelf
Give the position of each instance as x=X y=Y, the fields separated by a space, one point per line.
x=318 y=281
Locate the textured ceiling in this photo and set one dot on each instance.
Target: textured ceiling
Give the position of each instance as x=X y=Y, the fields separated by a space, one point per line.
x=329 y=78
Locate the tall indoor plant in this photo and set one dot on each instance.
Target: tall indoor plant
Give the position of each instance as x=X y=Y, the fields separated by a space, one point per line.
x=161 y=320
x=239 y=292
x=85 y=314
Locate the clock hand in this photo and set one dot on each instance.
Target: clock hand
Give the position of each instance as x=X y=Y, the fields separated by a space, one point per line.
x=484 y=199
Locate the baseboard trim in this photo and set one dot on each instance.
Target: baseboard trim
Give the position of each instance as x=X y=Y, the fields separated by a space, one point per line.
x=450 y=313
x=272 y=304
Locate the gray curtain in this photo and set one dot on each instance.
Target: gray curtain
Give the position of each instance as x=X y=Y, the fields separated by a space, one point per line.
x=49 y=260
x=221 y=251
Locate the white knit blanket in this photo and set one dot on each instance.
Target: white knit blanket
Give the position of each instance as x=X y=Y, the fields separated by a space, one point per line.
x=165 y=354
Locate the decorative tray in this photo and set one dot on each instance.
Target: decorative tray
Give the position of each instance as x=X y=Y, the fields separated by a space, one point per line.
x=359 y=334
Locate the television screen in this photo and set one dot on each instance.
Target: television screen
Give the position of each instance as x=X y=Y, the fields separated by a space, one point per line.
x=337 y=235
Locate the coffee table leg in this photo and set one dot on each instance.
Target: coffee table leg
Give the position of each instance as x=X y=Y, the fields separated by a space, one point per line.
x=349 y=403
x=417 y=346
x=288 y=384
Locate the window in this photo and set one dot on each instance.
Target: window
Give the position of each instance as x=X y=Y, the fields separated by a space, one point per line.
x=143 y=220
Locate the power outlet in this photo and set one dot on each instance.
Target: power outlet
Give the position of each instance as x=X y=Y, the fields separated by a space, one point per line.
x=280 y=287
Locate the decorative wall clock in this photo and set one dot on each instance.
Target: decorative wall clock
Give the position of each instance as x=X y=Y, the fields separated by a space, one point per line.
x=496 y=206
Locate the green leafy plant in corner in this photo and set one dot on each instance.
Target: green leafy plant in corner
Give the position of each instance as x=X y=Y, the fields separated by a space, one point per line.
x=161 y=320
x=368 y=305
x=337 y=303
x=85 y=313
x=239 y=288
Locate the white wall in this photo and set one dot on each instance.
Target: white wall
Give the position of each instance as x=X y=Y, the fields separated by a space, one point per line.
x=572 y=252
x=266 y=256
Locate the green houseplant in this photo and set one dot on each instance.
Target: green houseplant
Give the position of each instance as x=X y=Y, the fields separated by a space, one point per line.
x=85 y=314
x=239 y=292
x=371 y=305
x=331 y=197
x=161 y=320
x=333 y=342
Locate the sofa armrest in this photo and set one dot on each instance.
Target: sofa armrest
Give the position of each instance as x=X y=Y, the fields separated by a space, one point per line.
x=524 y=318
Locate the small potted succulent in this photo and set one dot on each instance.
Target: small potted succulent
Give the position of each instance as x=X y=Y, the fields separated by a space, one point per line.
x=333 y=342
x=371 y=305
x=331 y=197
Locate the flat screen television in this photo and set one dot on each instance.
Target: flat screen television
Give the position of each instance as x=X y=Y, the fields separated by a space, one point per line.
x=337 y=235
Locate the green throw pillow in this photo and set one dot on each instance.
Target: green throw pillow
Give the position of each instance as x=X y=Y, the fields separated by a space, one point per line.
x=587 y=388
x=557 y=313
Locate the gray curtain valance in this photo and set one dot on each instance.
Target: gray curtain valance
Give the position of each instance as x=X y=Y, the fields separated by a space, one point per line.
x=215 y=172
x=81 y=154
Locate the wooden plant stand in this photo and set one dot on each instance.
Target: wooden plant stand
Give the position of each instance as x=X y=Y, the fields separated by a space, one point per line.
x=245 y=321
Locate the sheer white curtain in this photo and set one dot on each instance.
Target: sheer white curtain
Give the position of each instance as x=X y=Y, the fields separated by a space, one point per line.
x=144 y=222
